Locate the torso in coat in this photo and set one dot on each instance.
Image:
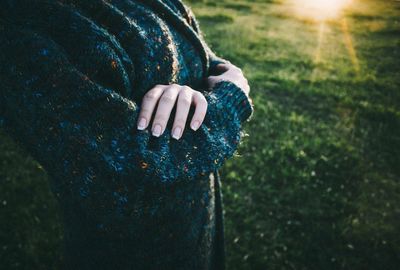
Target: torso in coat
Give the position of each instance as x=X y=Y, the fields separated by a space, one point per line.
x=139 y=48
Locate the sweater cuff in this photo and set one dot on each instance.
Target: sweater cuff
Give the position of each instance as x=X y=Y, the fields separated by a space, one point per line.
x=234 y=99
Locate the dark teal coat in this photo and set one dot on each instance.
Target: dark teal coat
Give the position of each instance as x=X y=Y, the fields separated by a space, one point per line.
x=72 y=74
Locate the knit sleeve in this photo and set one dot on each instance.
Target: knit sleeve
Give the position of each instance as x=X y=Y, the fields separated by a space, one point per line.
x=86 y=135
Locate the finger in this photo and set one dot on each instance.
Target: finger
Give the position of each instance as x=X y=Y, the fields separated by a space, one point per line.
x=182 y=110
x=231 y=68
x=213 y=80
x=149 y=102
x=222 y=67
x=201 y=109
x=165 y=106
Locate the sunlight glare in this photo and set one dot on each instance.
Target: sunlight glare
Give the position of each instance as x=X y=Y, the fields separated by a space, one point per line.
x=320 y=9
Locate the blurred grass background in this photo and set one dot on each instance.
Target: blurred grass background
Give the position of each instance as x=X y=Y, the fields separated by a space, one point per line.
x=315 y=184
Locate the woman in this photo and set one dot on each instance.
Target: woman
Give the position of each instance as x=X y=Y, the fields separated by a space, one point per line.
x=78 y=77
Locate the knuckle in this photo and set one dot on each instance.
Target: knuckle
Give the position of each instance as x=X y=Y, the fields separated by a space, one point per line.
x=196 y=94
x=185 y=101
x=150 y=95
x=186 y=92
x=169 y=90
x=186 y=89
x=167 y=99
x=203 y=99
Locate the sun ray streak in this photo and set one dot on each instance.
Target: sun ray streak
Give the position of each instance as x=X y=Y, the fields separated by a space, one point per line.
x=349 y=45
x=320 y=41
x=318 y=57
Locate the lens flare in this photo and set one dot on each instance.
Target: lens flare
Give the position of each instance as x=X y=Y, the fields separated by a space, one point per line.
x=319 y=9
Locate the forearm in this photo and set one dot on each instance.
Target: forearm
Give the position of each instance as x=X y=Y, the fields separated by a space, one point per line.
x=63 y=117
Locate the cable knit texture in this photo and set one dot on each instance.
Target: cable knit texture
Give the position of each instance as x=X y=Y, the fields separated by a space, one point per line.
x=73 y=74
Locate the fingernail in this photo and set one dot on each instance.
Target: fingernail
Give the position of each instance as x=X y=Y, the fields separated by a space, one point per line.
x=195 y=125
x=157 y=130
x=177 y=133
x=142 y=123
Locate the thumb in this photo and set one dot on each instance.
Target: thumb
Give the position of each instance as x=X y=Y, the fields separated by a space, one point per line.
x=222 y=67
x=213 y=80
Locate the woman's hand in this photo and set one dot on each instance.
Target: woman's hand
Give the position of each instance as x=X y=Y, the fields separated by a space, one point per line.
x=229 y=72
x=165 y=96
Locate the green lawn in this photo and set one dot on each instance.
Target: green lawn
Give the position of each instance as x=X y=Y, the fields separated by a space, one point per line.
x=315 y=184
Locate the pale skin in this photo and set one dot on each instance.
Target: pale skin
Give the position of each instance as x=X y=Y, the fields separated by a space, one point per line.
x=163 y=98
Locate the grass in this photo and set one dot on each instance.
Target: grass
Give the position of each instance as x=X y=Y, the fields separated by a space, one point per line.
x=315 y=184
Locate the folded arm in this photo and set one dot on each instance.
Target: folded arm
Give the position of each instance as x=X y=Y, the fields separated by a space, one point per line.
x=80 y=130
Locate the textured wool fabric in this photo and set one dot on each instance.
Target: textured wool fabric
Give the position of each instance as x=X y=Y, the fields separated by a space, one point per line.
x=73 y=74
